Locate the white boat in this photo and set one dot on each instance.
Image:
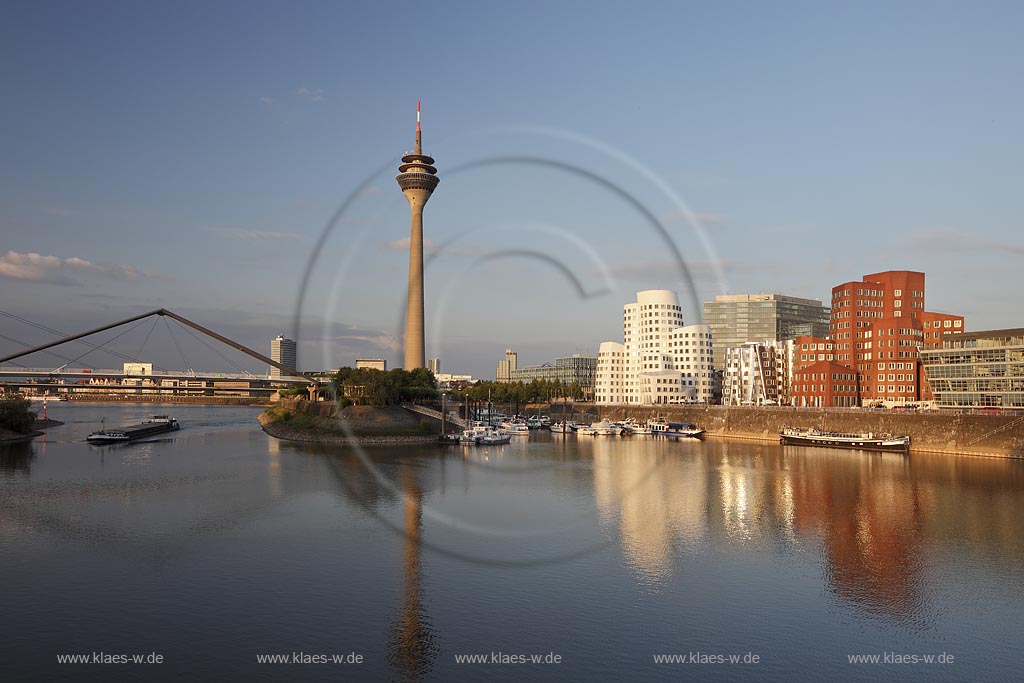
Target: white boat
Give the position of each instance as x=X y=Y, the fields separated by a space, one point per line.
x=605 y=428
x=44 y=397
x=545 y=421
x=533 y=422
x=474 y=433
x=663 y=427
x=494 y=437
x=631 y=426
x=586 y=431
x=560 y=428
x=657 y=425
x=515 y=427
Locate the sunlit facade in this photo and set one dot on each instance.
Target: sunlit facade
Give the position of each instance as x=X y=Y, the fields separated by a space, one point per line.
x=661 y=360
x=977 y=369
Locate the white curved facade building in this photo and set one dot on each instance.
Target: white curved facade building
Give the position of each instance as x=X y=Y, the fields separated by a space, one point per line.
x=660 y=360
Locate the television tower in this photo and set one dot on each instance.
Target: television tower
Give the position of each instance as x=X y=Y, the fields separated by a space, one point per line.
x=417 y=177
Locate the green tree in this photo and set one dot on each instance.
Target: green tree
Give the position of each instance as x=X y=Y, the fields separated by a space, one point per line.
x=15 y=414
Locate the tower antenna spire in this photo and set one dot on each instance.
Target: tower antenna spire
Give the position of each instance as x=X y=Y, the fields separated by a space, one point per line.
x=419 y=146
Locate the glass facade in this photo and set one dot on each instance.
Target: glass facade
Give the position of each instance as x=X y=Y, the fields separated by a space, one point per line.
x=736 y=319
x=977 y=370
x=576 y=368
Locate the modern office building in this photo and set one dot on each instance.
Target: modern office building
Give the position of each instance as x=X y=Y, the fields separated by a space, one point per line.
x=977 y=369
x=758 y=373
x=736 y=319
x=878 y=325
x=282 y=350
x=660 y=360
x=503 y=373
x=372 y=364
x=575 y=369
x=434 y=365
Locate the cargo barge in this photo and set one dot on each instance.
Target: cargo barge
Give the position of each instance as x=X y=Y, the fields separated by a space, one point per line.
x=869 y=442
x=158 y=424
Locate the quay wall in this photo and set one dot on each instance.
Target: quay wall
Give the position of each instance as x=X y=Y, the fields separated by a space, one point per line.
x=934 y=432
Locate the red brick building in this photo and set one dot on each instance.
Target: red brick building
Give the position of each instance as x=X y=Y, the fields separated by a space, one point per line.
x=876 y=328
x=825 y=384
x=809 y=350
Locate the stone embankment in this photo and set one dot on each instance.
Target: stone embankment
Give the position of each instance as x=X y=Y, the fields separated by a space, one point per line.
x=931 y=432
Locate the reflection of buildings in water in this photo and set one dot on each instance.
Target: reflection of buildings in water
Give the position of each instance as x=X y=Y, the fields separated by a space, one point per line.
x=274 y=473
x=412 y=649
x=660 y=499
x=867 y=513
x=755 y=493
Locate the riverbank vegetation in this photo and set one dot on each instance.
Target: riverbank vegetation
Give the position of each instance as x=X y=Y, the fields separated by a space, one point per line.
x=378 y=388
x=537 y=391
x=15 y=414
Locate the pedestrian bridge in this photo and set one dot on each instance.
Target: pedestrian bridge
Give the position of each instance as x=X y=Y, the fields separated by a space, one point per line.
x=436 y=414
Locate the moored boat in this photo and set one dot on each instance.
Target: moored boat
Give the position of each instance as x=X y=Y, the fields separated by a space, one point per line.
x=493 y=437
x=515 y=427
x=630 y=427
x=665 y=428
x=473 y=434
x=605 y=428
x=870 y=441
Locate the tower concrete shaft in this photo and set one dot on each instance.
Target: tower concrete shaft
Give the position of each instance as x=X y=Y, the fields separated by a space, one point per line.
x=417 y=177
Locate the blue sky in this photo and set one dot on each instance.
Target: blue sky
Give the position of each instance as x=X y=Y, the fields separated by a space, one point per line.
x=190 y=155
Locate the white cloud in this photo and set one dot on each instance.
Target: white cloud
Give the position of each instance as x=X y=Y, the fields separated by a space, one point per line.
x=34 y=267
x=430 y=247
x=311 y=94
x=267 y=100
x=256 y=235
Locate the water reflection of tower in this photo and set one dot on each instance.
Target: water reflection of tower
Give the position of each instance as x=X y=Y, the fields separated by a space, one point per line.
x=412 y=649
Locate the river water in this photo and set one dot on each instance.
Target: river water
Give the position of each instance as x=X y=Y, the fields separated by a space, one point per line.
x=219 y=545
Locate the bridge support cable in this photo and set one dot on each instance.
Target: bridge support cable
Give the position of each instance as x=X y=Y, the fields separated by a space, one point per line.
x=185 y=364
x=220 y=355
x=138 y=354
x=184 y=321
x=91 y=345
x=100 y=347
x=19 y=342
